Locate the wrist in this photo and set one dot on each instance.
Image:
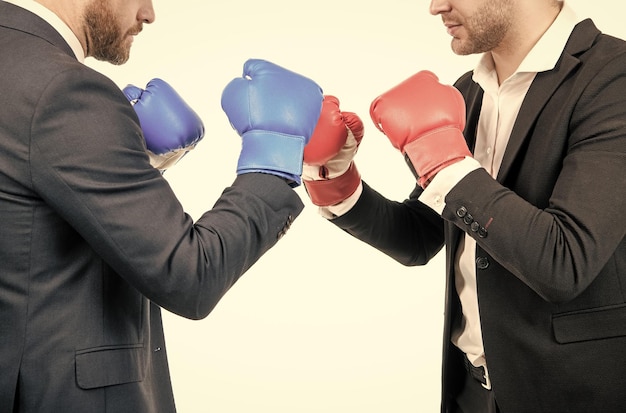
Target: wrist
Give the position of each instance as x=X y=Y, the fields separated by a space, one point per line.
x=164 y=161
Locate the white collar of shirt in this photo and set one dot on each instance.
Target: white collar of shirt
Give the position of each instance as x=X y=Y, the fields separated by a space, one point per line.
x=543 y=56
x=56 y=22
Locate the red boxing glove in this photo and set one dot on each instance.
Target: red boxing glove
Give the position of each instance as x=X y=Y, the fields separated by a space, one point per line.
x=329 y=173
x=424 y=120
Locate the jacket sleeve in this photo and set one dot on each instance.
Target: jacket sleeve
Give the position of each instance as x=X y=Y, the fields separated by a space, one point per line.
x=88 y=162
x=557 y=247
x=409 y=231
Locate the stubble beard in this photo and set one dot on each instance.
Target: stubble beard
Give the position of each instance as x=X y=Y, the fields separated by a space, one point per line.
x=486 y=29
x=106 y=40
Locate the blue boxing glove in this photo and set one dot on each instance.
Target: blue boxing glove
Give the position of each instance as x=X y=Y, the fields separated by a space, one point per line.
x=275 y=111
x=170 y=127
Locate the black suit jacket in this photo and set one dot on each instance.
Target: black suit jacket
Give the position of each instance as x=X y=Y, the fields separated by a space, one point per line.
x=93 y=240
x=551 y=253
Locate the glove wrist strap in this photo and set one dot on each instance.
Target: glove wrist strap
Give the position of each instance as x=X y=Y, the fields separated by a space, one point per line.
x=273 y=153
x=333 y=191
x=430 y=153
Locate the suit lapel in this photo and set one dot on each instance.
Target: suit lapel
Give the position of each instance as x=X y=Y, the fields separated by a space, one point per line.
x=542 y=89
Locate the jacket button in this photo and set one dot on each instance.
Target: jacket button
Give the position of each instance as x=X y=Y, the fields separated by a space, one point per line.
x=482 y=232
x=468 y=219
x=475 y=226
x=283 y=231
x=482 y=263
x=461 y=212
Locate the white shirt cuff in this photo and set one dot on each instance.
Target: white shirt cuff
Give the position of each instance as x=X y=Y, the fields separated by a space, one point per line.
x=435 y=193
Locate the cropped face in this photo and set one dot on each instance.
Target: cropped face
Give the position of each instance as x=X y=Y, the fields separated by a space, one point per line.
x=110 y=26
x=476 y=26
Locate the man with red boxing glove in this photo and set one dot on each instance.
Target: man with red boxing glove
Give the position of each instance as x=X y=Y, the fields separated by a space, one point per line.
x=518 y=172
x=94 y=242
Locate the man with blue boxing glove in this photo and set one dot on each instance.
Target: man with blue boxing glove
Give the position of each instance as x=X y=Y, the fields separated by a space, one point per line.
x=94 y=241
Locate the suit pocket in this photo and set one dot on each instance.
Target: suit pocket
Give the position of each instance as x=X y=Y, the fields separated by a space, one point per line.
x=591 y=324
x=110 y=365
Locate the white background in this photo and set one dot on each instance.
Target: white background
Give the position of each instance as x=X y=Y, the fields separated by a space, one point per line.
x=322 y=323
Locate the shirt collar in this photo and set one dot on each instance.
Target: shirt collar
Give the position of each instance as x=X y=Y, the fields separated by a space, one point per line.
x=545 y=53
x=56 y=22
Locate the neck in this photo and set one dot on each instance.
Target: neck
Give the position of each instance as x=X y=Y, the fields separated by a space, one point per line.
x=526 y=31
x=70 y=13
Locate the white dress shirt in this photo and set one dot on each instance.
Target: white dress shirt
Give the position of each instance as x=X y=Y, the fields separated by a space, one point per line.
x=56 y=22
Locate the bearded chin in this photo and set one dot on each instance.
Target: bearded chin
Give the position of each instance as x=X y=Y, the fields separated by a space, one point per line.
x=115 y=54
x=108 y=46
x=106 y=41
